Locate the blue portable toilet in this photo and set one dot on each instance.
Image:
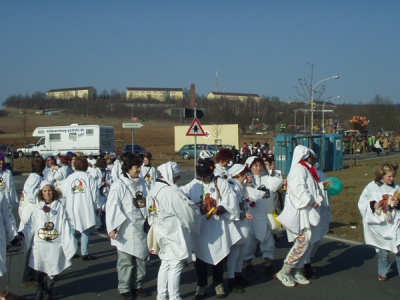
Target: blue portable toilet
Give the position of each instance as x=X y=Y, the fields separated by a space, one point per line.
x=283 y=152
x=335 y=152
x=318 y=143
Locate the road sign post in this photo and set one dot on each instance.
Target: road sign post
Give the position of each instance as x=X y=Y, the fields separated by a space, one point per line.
x=133 y=126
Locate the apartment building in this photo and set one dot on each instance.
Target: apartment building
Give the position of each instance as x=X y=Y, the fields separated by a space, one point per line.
x=232 y=96
x=160 y=94
x=72 y=93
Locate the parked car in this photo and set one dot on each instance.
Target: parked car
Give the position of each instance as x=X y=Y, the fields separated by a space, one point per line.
x=137 y=150
x=9 y=156
x=26 y=151
x=187 y=151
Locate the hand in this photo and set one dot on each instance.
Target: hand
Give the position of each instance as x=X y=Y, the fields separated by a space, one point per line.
x=315 y=204
x=113 y=234
x=249 y=216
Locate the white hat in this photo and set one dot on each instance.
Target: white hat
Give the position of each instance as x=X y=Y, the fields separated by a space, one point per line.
x=249 y=161
x=236 y=169
x=169 y=170
x=44 y=183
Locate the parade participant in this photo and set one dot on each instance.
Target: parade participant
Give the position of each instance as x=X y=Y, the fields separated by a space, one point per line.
x=51 y=167
x=63 y=171
x=217 y=231
x=125 y=218
x=116 y=171
x=300 y=215
x=8 y=230
x=326 y=219
x=26 y=206
x=237 y=253
x=148 y=172
x=49 y=235
x=378 y=206
x=81 y=203
x=263 y=224
x=103 y=179
x=175 y=219
x=205 y=153
x=7 y=184
x=223 y=158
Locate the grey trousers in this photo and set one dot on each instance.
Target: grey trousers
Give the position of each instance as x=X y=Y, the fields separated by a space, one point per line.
x=131 y=272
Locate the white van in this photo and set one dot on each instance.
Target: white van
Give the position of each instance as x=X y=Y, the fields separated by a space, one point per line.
x=88 y=139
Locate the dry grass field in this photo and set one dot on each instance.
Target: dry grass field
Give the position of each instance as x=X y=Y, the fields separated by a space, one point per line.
x=158 y=137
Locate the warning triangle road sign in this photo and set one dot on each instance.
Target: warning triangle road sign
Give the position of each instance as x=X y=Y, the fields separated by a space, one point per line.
x=195 y=129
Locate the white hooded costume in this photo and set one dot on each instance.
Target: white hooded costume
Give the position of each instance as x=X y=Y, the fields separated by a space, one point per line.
x=7 y=185
x=8 y=230
x=302 y=192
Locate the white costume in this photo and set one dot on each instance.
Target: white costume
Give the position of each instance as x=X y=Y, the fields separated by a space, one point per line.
x=175 y=219
x=149 y=174
x=116 y=171
x=378 y=231
x=219 y=233
x=28 y=197
x=8 y=230
x=126 y=218
x=221 y=171
x=54 y=255
x=81 y=200
x=205 y=154
x=61 y=174
x=7 y=185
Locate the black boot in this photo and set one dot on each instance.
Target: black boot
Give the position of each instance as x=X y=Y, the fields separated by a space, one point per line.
x=48 y=291
x=241 y=280
x=39 y=292
x=234 y=287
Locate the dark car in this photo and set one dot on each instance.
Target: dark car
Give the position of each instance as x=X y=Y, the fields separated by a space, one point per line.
x=136 y=150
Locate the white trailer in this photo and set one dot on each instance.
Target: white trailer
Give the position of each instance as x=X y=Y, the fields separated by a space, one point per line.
x=87 y=139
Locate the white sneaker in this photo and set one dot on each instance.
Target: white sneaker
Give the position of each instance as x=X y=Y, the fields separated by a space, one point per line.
x=300 y=279
x=200 y=292
x=287 y=280
x=219 y=291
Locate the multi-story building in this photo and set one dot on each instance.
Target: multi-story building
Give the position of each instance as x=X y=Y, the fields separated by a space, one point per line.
x=160 y=94
x=232 y=96
x=71 y=93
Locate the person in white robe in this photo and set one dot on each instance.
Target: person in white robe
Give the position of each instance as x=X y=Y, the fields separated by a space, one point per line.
x=63 y=171
x=50 y=237
x=325 y=220
x=125 y=219
x=7 y=184
x=81 y=203
x=51 y=167
x=174 y=219
x=205 y=153
x=222 y=159
x=263 y=224
x=27 y=205
x=378 y=205
x=8 y=230
x=148 y=172
x=301 y=214
x=116 y=171
x=237 y=180
x=217 y=231
x=103 y=181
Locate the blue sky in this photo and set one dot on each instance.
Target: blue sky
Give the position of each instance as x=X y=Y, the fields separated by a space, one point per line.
x=260 y=47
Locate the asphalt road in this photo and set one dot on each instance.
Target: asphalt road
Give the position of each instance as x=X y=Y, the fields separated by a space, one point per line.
x=347 y=270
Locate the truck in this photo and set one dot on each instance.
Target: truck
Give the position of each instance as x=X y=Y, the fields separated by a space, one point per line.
x=59 y=140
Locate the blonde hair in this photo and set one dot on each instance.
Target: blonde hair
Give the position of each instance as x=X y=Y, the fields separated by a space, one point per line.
x=384 y=169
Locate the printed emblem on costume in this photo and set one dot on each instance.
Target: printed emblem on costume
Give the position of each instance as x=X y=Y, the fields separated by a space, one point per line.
x=48 y=233
x=78 y=186
x=212 y=190
x=2 y=183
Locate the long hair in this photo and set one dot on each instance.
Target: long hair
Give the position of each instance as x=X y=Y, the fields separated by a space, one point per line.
x=384 y=169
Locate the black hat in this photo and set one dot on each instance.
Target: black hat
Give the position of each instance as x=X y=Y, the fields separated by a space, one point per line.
x=205 y=167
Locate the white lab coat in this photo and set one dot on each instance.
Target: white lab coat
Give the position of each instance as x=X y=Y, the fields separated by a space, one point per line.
x=377 y=231
x=219 y=233
x=122 y=215
x=81 y=200
x=8 y=230
x=53 y=256
x=8 y=187
x=176 y=220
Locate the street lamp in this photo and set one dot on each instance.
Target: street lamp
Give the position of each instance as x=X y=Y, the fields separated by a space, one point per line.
x=323 y=111
x=312 y=100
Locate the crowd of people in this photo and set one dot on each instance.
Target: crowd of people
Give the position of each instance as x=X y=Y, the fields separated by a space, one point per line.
x=217 y=220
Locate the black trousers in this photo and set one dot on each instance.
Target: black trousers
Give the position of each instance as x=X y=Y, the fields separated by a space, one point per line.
x=202 y=272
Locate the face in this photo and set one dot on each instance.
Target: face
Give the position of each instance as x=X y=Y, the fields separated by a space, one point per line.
x=134 y=171
x=146 y=161
x=206 y=179
x=257 y=168
x=47 y=193
x=224 y=163
x=72 y=161
x=49 y=162
x=388 y=177
x=241 y=177
x=273 y=165
x=312 y=160
x=267 y=165
x=1 y=164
